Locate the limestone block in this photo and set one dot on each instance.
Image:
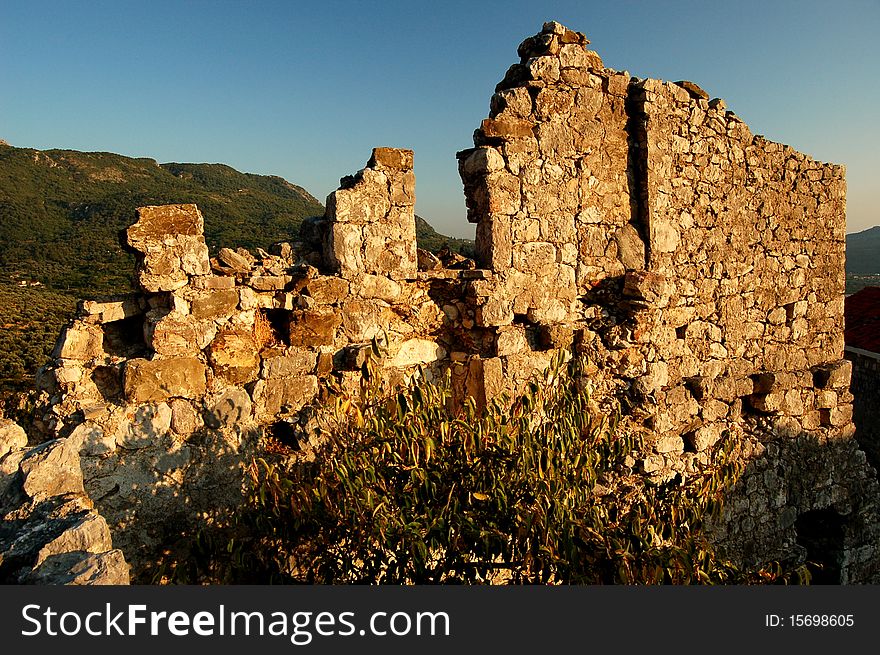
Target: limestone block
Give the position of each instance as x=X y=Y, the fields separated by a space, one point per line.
x=415 y=352
x=161 y=379
x=345 y=248
x=234 y=260
x=664 y=236
x=836 y=375
x=506 y=127
x=172 y=243
x=655 y=378
x=12 y=436
x=144 y=426
x=81 y=568
x=234 y=356
x=538 y=257
x=705 y=436
x=494 y=312
x=503 y=193
x=669 y=444
x=648 y=287
x=184 y=418
x=177 y=335
x=630 y=248
x=327 y=289
x=378 y=286
x=484 y=160
x=52 y=469
x=576 y=56
x=493 y=243
x=392 y=158
x=232 y=408
x=213 y=282
x=364 y=319
x=92 y=439
x=555 y=336
x=277 y=395
x=314 y=327
x=89 y=534
x=111 y=310
x=287 y=363
x=545 y=69
x=81 y=342
x=269 y=282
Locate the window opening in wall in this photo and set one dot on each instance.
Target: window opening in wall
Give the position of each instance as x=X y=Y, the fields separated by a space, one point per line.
x=681 y=331
x=272 y=327
x=125 y=337
x=820 y=532
x=108 y=381
x=284 y=435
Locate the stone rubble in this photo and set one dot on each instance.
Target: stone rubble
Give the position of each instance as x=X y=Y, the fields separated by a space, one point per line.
x=699 y=268
x=50 y=532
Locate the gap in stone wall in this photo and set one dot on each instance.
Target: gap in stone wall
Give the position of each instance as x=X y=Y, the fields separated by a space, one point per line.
x=125 y=337
x=820 y=532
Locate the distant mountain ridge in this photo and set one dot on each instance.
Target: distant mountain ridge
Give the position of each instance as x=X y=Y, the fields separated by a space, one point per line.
x=62 y=211
x=863 y=252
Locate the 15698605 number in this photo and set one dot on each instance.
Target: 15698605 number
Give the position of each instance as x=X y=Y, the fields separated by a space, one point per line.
x=822 y=620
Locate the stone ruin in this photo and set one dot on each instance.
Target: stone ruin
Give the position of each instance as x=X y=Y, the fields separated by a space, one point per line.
x=698 y=267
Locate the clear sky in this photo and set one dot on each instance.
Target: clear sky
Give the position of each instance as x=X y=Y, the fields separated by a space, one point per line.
x=305 y=89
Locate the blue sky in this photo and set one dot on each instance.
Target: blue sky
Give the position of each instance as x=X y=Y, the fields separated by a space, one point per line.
x=305 y=89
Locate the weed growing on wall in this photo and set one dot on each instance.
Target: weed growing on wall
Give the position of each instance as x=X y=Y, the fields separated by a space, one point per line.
x=537 y=490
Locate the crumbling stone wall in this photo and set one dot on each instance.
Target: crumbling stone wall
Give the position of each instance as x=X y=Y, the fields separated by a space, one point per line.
x=865 y=388
x=699 y=269
x=166 y=392
x=707 y=285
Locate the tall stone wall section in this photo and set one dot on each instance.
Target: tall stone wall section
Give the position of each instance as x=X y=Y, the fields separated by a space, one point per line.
x=697 y=267
x=707 y=288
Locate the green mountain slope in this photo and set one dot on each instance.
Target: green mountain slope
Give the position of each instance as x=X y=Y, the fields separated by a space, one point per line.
x=62 y=212
x=429 y=239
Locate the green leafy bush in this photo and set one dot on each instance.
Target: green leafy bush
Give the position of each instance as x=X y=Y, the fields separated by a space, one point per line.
x=540 y=490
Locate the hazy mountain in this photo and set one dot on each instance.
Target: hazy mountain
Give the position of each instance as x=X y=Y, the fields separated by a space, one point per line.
x=863 y=252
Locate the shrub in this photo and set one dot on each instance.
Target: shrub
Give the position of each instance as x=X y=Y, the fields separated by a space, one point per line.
x=538 y=490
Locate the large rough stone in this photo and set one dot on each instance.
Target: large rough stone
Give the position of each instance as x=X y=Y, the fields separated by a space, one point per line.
x=145 y=426
x=214 y=304
x=234 y=356
x=284 y=395
x=81 y=568
x=52 y=469
x=287 y=363
x=172 y=243
x=12 y=436
x=90 y=534
x=161 y=379
x=314 y=327
x=231 y=409
x=415 y=352
x=80 y=342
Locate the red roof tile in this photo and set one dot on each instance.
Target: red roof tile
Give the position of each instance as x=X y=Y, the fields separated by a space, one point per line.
x=862 y=314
